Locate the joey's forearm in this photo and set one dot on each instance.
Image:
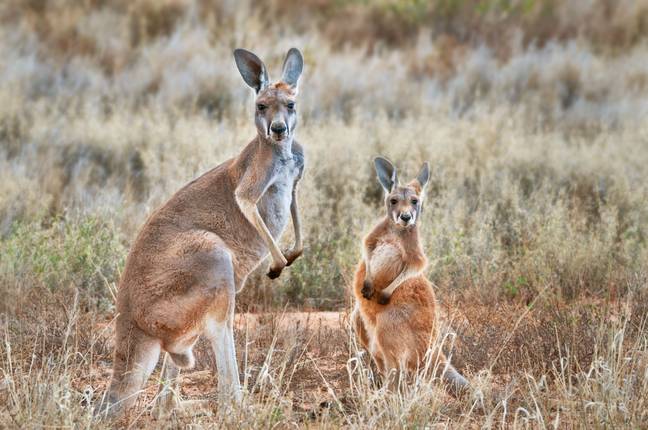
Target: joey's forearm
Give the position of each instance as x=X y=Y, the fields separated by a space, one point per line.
x=366 y=258
x=407 y=273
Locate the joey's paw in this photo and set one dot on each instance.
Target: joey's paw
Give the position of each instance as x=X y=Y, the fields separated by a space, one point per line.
x=293 y=255
x=367 y=289
x=383 y=299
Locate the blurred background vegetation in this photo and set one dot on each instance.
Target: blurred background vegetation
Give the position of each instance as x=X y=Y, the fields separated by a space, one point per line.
x=531 y=112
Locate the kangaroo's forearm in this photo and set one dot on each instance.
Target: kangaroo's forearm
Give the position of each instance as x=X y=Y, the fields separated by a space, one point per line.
x=407 y=273
x=294 y=213
x=367 y=257
x=251 y=213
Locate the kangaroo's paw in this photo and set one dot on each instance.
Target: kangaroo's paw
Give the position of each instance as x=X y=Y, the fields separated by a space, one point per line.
x=383 y=298
x=293 y=255
x=275 y=272
x=367 y=289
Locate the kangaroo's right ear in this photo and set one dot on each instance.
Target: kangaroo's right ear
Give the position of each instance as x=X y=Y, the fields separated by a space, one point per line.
x=386 y=173
x=252 y=69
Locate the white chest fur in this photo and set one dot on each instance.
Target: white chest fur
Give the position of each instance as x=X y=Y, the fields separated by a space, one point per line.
x=385 y=258
x=274 y=206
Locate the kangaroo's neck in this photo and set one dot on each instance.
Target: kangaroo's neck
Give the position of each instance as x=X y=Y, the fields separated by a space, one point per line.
x=282 y=149
x=409 y=236
x=261 y=151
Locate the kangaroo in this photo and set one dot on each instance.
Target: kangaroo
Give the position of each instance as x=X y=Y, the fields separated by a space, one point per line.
x=194 y=253
x=395 y=315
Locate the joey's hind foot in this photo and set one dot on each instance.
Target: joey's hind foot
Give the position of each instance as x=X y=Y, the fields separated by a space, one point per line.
x=367 y=289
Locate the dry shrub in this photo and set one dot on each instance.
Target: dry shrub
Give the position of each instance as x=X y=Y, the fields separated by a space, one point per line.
x=531 y=114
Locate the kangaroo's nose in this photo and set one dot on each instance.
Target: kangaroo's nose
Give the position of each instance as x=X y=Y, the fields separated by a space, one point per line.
x=405 y=216
x=278 y=127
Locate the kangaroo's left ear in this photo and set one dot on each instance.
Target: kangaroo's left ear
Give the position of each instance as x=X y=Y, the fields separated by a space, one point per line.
x=424 y=175
x=292 y=67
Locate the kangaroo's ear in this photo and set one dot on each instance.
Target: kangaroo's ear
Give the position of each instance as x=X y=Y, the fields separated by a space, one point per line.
x=292 y=67
x=252 y=69
x=424 y=175
x=386 y=173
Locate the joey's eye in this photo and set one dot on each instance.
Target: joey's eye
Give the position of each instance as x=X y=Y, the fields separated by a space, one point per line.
x=415 y=202
x=290 y=105
x=393 y=201
x=261 y=107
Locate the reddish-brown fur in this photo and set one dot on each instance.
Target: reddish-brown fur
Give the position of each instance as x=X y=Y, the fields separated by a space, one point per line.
x=405 y=326
x=398 y=333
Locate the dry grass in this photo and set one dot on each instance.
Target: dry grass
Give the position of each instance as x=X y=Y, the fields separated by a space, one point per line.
x=307 y=371
x=532 y=114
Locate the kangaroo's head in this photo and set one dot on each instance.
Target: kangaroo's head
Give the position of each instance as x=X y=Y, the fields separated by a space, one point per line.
x=403 y=202
x=275 y=114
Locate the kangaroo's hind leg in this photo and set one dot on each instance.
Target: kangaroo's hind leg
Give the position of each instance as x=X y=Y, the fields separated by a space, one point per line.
x=396 y=344
x=219 y=329
x=136 y=355
x=169 y=386
x=359 y=328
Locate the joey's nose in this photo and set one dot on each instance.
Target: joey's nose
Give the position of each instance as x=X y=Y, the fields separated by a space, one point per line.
x=278 y=127
x=405 y=216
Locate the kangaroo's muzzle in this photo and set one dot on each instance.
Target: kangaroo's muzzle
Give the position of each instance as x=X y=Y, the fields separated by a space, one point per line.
x=405 y=219
x=279 y=130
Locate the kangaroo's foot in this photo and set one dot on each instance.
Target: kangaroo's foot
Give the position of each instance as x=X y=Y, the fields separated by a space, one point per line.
x=182 y=408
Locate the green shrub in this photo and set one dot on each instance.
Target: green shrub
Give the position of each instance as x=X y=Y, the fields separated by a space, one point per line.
x=82 y=253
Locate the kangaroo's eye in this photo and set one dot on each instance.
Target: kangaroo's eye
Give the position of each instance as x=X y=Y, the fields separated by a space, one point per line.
x=415 y=202
x=393 y=201
x=291 y=105
x=261 y=107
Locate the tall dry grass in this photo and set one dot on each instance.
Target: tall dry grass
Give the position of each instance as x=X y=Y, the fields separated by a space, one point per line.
x=531 y=113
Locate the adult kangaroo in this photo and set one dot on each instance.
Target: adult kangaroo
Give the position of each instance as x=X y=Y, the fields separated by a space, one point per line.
x=194 y=253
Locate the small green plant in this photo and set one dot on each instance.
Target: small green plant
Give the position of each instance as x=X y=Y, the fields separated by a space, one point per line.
x=84 y=253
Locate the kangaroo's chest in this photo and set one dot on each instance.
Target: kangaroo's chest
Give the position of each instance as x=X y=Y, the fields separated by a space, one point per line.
x=274 y=206
x=386 y=263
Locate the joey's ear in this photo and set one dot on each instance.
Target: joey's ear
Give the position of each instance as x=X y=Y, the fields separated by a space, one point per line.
x=386 y=173
x=424 y=175
x=252 y=69
x=292 y=67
